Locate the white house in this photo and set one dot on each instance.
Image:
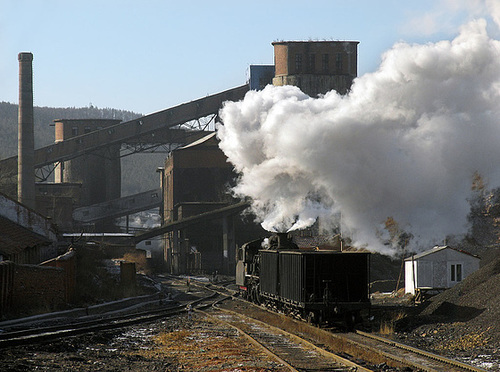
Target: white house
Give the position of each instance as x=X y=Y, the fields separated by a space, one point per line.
x=437 y=269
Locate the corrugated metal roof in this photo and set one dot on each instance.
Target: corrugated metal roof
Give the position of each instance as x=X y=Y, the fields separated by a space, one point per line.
x=438 y=249
x=204 y=140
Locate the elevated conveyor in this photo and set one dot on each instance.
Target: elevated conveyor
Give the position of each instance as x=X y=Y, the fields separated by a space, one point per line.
x=132 y=130
x=193 y=220
x=119 y=207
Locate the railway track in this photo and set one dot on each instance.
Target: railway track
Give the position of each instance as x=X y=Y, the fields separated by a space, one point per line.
x=296 y=344
x=294 y=352
x=372 y=349
x=31 y=335
x=417 y=358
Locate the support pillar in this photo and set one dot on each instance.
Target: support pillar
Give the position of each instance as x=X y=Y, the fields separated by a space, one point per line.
x=228 y=245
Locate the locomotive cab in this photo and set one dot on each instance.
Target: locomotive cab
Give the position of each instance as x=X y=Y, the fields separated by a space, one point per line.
x=247 y=268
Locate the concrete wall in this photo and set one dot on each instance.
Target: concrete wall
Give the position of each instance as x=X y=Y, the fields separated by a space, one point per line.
x=57 y=201
x=67 y=262
x=98 y=172
x=6 y=284
x=29 y=289
x=316 y=67
x=313 y=85
x=316 y=57
x=196 y=174
x=27 y=218
x=37 y=288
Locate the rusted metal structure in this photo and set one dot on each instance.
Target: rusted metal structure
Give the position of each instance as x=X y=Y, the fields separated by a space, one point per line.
x=160 y=127
x=26 y=138
x=171 y=127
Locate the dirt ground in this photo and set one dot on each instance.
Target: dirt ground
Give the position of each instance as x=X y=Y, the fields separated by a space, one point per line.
x=175 y=344
x=462 y=323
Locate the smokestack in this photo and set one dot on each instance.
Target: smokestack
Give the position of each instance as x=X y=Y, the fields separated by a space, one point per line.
x=26 y=138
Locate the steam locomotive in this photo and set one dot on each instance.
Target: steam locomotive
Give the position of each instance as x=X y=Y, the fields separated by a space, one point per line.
x=317 y=286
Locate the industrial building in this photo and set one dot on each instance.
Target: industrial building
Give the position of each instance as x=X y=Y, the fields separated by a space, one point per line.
x=316 y=67
x=196 y=181
x=201 y=222
x=197 y=177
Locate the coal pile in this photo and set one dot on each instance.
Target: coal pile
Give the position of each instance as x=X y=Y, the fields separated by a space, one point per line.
x=462 y=322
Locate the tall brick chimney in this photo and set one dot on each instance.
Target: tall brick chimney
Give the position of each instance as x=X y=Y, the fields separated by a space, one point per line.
x=26 y=137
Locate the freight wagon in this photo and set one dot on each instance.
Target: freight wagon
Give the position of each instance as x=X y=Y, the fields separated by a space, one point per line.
x=318 y=286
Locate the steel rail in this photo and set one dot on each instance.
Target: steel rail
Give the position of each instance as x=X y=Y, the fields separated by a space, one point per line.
x=427 y=354
x=298 y=340
x=252 y=340
x=400 y=359
x=30 y=336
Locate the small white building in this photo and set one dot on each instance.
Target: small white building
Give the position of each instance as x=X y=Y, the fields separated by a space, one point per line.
x=437 y=269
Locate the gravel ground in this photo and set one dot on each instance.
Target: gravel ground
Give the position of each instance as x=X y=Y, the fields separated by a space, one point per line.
x=176 y=344
x=462 y=322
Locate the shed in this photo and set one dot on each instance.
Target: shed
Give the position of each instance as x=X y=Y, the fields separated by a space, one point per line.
x=438 y=268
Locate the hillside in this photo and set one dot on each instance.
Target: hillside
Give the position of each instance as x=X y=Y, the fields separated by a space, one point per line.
x=461 y=322
x=138 y=171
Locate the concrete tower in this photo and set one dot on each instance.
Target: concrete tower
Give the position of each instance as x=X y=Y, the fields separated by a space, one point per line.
x=316 y=67
x=26 y=137
x=99 y=172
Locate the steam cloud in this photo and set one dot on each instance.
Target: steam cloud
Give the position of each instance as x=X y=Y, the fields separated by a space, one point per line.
x=405 y=143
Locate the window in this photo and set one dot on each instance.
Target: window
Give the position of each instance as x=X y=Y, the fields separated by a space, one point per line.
x=306 y=233
x=338 y=62
x=311 y=62
x=456 y=273
x=87 y=130
x=298 y=62
x=74 y=131
x=324 y=62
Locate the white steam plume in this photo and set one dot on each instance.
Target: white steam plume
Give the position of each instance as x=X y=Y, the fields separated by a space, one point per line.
x=405 y=143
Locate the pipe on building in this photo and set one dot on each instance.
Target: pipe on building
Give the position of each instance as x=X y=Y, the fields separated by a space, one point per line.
x=26 y=140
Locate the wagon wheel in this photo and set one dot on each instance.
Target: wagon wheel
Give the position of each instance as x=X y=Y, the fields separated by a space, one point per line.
x=350 y=319
x=311 y=317
x=256 y=295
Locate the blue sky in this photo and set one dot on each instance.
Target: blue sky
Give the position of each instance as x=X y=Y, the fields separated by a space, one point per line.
x=149 y=55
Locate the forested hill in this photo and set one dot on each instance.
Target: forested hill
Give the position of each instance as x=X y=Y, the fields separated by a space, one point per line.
x=134 y=168
x=43 y=118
